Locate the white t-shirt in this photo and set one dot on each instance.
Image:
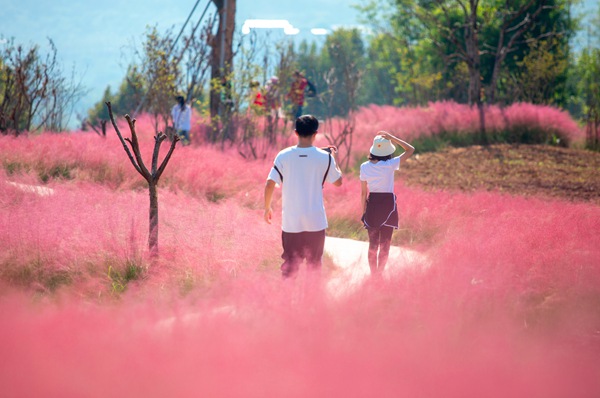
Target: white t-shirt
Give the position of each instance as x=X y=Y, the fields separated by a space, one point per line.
x=380 y=176
x=182 y=119
x=303 y=170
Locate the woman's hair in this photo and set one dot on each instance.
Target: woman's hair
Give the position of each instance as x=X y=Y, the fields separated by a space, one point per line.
x=181 y=101
x=375 y=157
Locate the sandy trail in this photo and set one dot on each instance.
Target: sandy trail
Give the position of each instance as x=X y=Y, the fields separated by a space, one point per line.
x=350 y=256
x=35 y=189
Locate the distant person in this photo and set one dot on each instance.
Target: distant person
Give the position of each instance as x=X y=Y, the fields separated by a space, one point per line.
x=257 y=98
x=380 y=212
x=272 y=97
x=297 y=93
x=182 y=119
x=302 y=170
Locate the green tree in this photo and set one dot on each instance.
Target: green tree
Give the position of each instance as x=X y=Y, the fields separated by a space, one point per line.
x=336 y=69
x=125 y=101
x=588 y=69
x=160 y=74
x=457 y=48
x=538 y=74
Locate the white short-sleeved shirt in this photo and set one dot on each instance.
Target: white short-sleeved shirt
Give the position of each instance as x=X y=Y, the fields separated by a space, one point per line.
x=182 y=118
x=303 y=170
x=380 y=176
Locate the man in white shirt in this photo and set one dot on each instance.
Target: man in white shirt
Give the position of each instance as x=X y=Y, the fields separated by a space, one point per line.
x=302 y=170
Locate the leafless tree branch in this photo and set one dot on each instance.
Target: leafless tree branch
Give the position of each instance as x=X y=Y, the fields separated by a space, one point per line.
x=114 y=123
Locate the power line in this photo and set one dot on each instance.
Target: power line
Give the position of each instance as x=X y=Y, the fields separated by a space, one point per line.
x=173 y=46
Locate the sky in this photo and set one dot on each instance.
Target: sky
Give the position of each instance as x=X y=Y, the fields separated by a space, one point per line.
x=96 y=38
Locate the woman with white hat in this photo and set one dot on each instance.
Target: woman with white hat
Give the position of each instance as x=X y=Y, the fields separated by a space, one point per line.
x=380 y=213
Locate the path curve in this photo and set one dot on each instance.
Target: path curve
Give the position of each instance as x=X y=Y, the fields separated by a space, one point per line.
x=350 y=256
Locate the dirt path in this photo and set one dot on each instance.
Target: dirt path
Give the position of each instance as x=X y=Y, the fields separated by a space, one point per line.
x=350 y=256
x=530 y=170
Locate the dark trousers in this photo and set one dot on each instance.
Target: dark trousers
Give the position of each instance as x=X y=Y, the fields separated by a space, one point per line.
x=300 y=246
x=297 y=110
x=380 y=240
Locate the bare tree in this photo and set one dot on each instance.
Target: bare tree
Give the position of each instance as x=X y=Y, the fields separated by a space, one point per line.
x=342 y=136
x=160 y=73
x=26 y=82
x=151 y=176
x=343 y=81
x=101 y=131
x=34 y=93
x=194 y=56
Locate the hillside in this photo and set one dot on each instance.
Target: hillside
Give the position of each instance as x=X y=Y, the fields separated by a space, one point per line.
x=539 y=170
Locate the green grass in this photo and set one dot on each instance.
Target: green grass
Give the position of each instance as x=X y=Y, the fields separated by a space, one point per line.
x=518 y=134
x=35 y=273
x=56 y=171
x=345 y=228
x=120 y=277
x=13 y=167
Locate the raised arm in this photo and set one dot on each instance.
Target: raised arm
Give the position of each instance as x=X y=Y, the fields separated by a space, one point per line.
x=408 y=149
x=333 y=151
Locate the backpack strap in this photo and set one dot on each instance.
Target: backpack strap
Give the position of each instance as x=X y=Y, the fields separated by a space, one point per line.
x=324 y=177
x=327 y=172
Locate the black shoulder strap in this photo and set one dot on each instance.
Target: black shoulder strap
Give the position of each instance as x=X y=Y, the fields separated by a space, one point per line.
x=278 y=172
x=327 y=172
x=324 y=177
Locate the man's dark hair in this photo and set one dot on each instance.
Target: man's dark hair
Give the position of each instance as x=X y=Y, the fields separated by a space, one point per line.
x=375 y=157
x=307 y=125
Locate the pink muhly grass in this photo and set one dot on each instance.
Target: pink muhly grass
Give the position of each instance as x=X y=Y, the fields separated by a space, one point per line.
x=505 y=303
x=410 y=123
x=547 y=117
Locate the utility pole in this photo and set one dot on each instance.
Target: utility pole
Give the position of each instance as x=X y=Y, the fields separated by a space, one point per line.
x=221 y=67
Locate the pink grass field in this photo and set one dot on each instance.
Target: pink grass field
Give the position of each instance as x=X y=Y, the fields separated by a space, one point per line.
x=413 y=122
x=505 y=303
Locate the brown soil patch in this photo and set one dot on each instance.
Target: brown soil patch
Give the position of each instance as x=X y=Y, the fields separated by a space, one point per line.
x=539 y=170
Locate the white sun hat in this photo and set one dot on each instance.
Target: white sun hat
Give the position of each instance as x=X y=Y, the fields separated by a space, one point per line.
x=382 y=147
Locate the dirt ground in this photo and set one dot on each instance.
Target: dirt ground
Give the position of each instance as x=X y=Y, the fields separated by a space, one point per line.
x=540 y=170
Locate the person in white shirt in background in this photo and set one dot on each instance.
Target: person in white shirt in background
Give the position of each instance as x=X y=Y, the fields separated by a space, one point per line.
x=378 y=201
x=302 y=170
x=182 y=119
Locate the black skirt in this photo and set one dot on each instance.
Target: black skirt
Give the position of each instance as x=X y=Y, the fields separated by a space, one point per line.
x=381 y=210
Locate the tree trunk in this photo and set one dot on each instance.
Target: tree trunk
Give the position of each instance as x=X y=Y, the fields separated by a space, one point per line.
x=153 y=220
x=222 y=64
x=499 y=59
x=473 y=57
x=474 y=65
x=474 y=85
